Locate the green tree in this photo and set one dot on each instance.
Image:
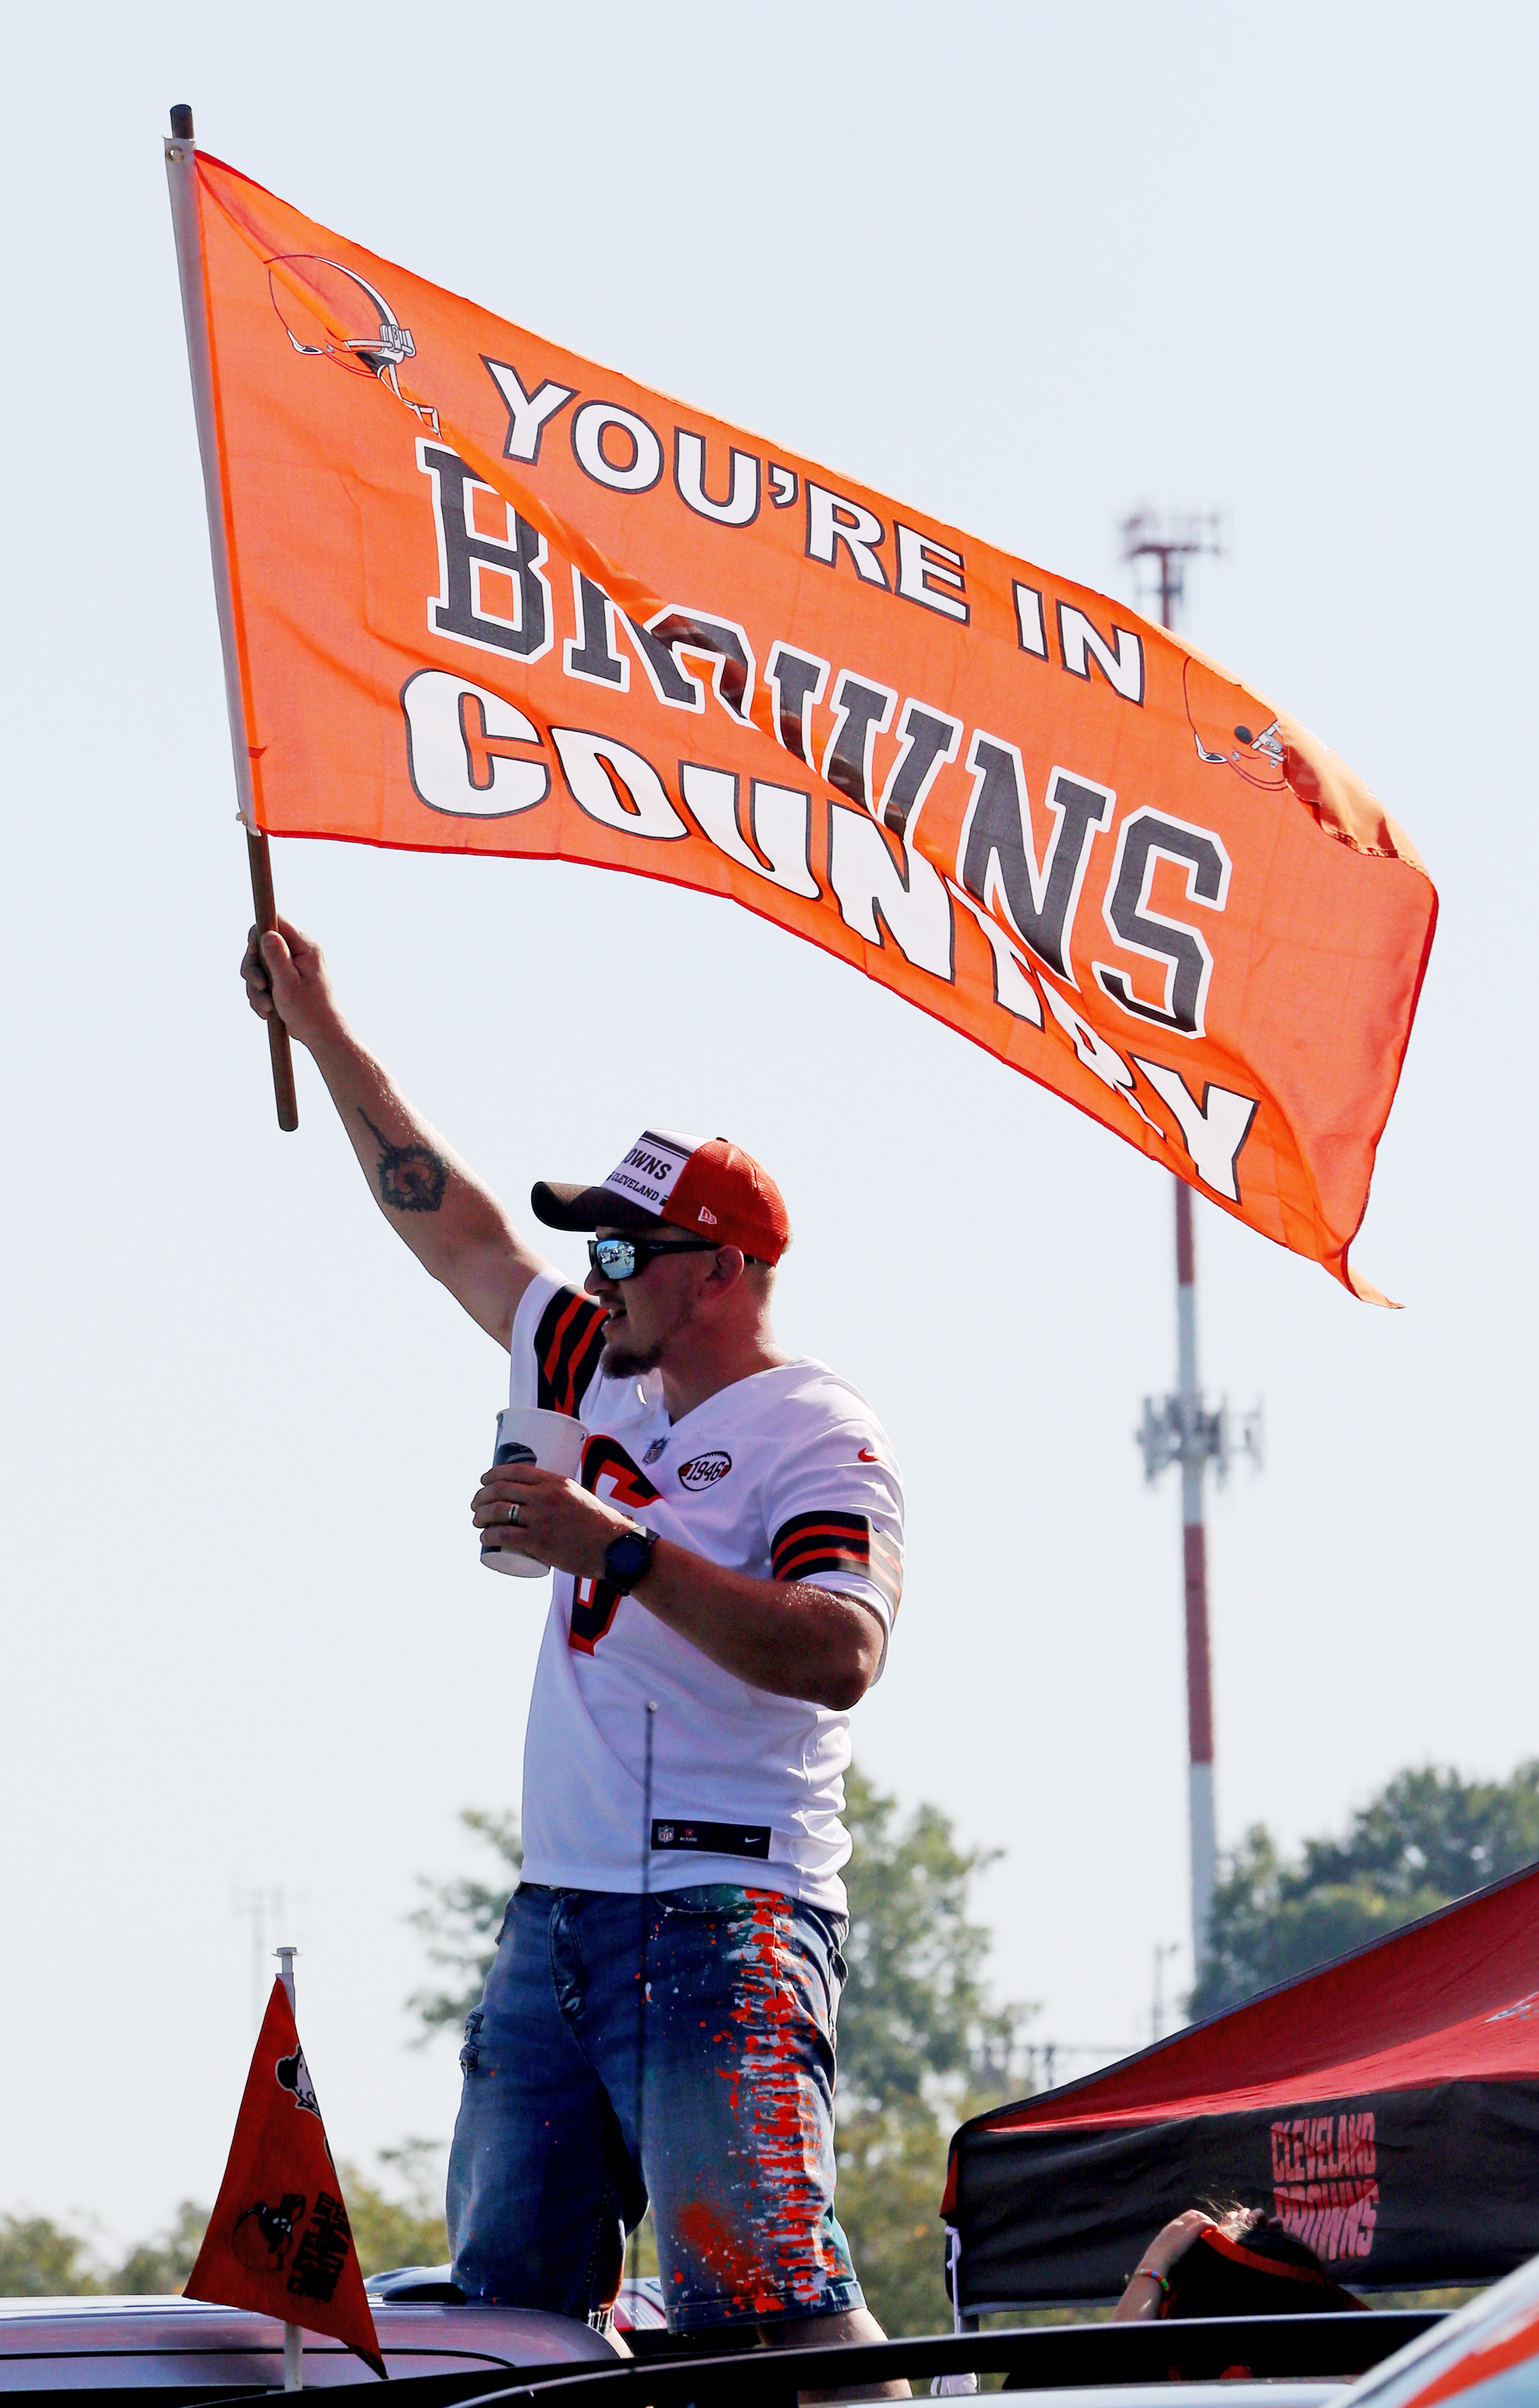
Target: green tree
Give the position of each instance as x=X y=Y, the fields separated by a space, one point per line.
x=915 y=2011
x=39 y=2260
x=920 y=2047
x=1428 y=1837
x=163 y=2265
x=394 y=2232
x=459 y=1921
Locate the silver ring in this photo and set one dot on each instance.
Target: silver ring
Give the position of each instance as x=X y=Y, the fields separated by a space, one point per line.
x=512 y=1514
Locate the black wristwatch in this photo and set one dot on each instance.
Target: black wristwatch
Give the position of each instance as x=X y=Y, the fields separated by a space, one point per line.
x=628 y=1560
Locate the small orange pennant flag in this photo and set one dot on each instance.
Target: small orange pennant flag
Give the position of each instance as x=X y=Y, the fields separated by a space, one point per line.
x=279 y=2240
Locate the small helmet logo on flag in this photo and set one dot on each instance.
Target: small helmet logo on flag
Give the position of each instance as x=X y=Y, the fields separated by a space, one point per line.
x=328 y=312
x=262 y=2234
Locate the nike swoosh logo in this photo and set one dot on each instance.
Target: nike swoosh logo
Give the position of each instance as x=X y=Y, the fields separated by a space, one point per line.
x=867 y=1457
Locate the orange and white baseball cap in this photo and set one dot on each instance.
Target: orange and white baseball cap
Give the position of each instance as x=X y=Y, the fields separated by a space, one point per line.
x=706 y=1186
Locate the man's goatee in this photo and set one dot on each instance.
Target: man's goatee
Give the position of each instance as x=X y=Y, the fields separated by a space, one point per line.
x=629 y=1362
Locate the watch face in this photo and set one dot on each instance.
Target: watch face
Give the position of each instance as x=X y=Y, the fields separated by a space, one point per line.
x=627 y=1556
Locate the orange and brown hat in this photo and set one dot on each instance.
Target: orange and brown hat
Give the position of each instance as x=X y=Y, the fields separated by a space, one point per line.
x=706 y=1186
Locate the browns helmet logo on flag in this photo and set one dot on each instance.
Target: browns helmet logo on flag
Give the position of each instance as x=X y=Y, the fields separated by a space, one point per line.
x=316 y=298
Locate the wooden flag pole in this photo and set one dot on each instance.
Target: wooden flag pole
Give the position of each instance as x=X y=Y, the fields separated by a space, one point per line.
x=277 y=1035
x=180 y=154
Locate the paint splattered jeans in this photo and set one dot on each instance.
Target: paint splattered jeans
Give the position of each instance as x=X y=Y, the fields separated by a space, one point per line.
x=551 y=2163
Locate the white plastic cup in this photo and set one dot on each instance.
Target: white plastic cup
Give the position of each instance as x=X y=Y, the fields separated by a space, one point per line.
x=554 y=1442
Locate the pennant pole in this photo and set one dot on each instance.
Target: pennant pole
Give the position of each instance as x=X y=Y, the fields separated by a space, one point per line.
x=180 y=172
x=293 y=2339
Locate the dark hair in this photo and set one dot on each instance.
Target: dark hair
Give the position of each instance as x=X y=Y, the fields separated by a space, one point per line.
x=1249 y=2264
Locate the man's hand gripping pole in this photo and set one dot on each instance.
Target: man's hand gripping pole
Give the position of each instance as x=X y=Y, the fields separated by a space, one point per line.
x=277 y=1035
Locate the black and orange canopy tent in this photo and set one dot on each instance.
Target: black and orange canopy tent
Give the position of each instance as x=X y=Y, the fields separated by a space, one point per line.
x=1386 y=2107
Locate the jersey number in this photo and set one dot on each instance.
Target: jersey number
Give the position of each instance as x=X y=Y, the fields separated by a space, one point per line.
x=594 y=1601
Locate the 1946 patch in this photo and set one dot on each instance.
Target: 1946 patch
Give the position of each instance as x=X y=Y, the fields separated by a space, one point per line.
x=704 y=1470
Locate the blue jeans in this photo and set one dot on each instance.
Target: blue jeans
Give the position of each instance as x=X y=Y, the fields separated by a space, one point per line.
x=552 y=2162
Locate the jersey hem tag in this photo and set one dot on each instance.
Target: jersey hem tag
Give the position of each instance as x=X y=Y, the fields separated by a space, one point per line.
x=712 y=1839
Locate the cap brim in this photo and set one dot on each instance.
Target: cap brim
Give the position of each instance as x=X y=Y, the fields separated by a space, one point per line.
x=563 y=1206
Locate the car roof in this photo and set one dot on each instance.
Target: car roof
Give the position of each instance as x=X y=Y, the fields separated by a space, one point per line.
x=77 y=2342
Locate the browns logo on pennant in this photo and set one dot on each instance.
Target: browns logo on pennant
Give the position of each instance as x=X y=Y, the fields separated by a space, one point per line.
x=490 y=597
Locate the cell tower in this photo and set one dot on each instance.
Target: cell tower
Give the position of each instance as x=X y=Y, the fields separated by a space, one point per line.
x=1181 y=1428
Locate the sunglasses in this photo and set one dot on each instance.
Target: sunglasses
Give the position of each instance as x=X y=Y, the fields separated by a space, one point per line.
x=621 y=1258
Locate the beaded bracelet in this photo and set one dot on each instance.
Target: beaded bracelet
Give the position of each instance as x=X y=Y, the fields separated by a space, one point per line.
x=1155 y=2276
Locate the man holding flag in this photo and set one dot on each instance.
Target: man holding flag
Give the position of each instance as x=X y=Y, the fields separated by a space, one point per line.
x=478 y=594
x=727 y=1568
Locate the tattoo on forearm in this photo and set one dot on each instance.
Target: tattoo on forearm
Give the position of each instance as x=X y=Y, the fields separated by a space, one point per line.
x=412 y=1178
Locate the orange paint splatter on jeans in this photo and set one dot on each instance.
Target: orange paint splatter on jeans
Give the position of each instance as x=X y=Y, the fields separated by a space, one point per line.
x=744 y=2279
x=764 y=2241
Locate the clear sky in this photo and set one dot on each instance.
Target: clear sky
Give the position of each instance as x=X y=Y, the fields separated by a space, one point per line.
x=1025 y=267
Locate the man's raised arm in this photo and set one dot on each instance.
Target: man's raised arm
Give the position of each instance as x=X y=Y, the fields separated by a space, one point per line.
x=454 y=1225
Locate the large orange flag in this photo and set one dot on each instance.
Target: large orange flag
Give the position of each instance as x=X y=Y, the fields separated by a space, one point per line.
x=485 y=597
x=279 y=2240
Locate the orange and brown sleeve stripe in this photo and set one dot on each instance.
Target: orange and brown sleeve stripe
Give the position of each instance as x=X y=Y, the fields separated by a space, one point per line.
x=567 y=1344
x=830 y=1542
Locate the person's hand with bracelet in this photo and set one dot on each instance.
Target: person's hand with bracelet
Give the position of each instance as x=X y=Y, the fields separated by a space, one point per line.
x=1149 y=2283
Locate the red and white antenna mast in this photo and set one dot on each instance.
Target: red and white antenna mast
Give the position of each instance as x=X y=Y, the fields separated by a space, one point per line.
x=1179 y=1428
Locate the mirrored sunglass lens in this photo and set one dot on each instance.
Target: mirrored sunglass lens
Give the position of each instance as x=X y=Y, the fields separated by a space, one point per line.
x=614 y=1257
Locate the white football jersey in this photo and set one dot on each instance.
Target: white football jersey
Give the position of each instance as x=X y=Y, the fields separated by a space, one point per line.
x=785 y=1475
